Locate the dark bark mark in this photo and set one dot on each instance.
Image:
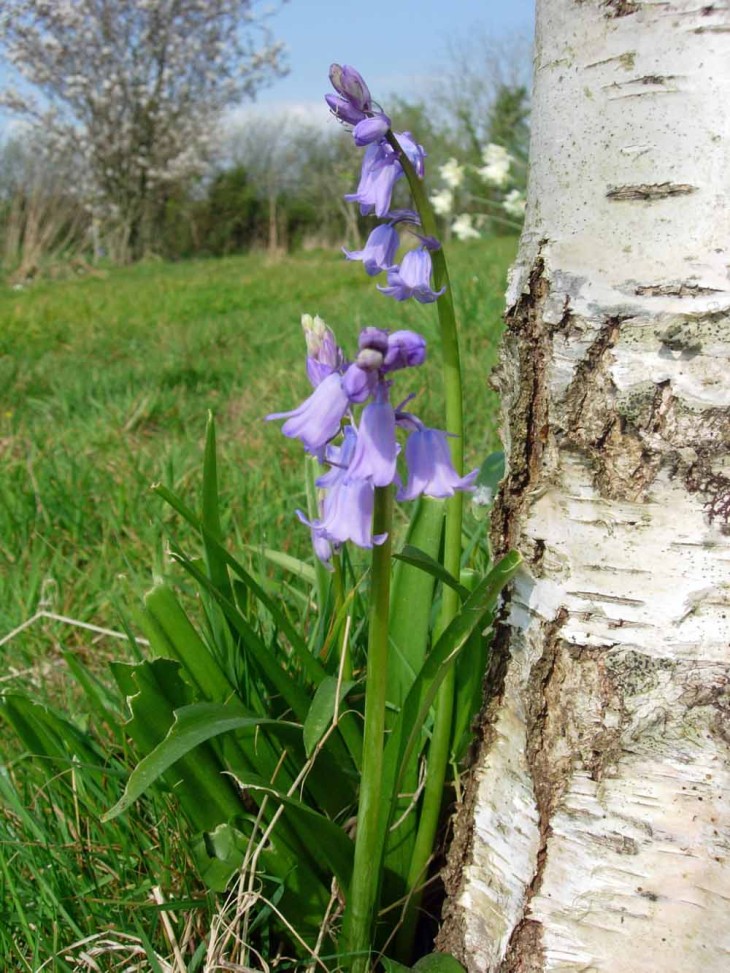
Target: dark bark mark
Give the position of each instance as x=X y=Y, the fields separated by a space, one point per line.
x=678 y=289
x=620 y=8
x=648 y=192
x=530 y=340
x=526 y=953
x=702 y=478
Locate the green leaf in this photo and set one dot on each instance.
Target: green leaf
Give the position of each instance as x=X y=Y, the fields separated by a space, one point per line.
x=411 y=609
x=193 y=725
x=438 y=963
x=173 y=636
x=408 y=727
x=314 y=670
x=155 y=690
x=290 y=691
x=391 y=966
x=326 y=840
x=419 y=559
x=322 y=711
x=291 y=564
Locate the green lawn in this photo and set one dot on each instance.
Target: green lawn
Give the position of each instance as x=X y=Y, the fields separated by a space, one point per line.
x=104 y=387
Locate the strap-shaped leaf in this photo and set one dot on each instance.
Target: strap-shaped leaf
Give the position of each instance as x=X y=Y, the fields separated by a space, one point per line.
x=420 y=559
x=313 y=669
x=194 y=724
x=321 y=712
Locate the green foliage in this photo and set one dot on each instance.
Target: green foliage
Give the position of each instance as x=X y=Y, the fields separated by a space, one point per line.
x=238 y=651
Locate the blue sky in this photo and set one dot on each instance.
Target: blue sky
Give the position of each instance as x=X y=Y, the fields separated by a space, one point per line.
x=396 y=44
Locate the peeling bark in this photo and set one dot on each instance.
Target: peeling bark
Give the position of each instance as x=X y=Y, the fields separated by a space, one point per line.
x=595 y=829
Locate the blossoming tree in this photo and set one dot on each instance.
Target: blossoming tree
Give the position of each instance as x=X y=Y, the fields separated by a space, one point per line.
x=134 y=87
x=594 y=833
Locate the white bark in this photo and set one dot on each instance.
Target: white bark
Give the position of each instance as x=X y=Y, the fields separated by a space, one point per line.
x=596 y=832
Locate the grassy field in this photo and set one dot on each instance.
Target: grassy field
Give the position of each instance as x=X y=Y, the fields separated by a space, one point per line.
x=104 y=387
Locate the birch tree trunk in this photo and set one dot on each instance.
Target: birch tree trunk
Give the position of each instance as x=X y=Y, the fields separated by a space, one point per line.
x=596 y=828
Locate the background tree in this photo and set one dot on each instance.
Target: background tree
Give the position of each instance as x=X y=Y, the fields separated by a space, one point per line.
x=136 y=87
x=594 y=833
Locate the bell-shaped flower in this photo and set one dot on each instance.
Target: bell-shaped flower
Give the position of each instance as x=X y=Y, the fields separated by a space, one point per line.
x=350 y=85
x=323 y=354
x=376 y=449
x=370 y=129
x=379 y=174
x=430 y=470
x=347 y=507
x=379 y=251
x=406 y=349
x=344 y=110
x=319 y=417
x=412 y=278
x=359 y=383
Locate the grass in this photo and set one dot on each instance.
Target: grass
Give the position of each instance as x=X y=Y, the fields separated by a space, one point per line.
x=104 y=387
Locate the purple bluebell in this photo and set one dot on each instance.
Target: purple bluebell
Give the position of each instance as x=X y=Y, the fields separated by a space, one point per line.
x=414 y=152
x=371 y=129
x=347 y=507
x=379 y=251
x=374 y=339
x=406 y=349
x=344 y=110
x=323 y=354
x=412 y=278
x=376 y=450
x=350 y=85
x=359 y=383
x=379 y=173
x=318 y=418
x=430 y=470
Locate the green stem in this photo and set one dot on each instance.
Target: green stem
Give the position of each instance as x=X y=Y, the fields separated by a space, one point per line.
x=441 y=736
x=361 y=901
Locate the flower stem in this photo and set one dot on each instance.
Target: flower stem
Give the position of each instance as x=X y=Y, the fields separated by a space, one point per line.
x=362 y=898
x=441 y=736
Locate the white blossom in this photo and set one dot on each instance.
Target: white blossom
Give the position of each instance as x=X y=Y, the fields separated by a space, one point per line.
x=463 y=227
x=133 y=87
x=497 y=162
x=442 y=202
x=514 y=203
x=452 y=173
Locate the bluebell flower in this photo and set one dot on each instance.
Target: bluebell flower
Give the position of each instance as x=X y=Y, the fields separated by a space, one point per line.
x=376 y=449
x=412 y=278
x=379 y=173
x=347 y=507
x=371 y=129
x=379 y=251
x=344 y=110
x=430 y=470
x=323 y=353
x=318 y=418
x=406 y=349
x=414 y=152
x=350 y=85
x=359 y=383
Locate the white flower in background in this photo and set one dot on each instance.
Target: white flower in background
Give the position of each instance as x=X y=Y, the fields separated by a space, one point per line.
x=442 y=202
x=463 y=228
x=514 y=203
x=452 y=173
x=497 y=162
